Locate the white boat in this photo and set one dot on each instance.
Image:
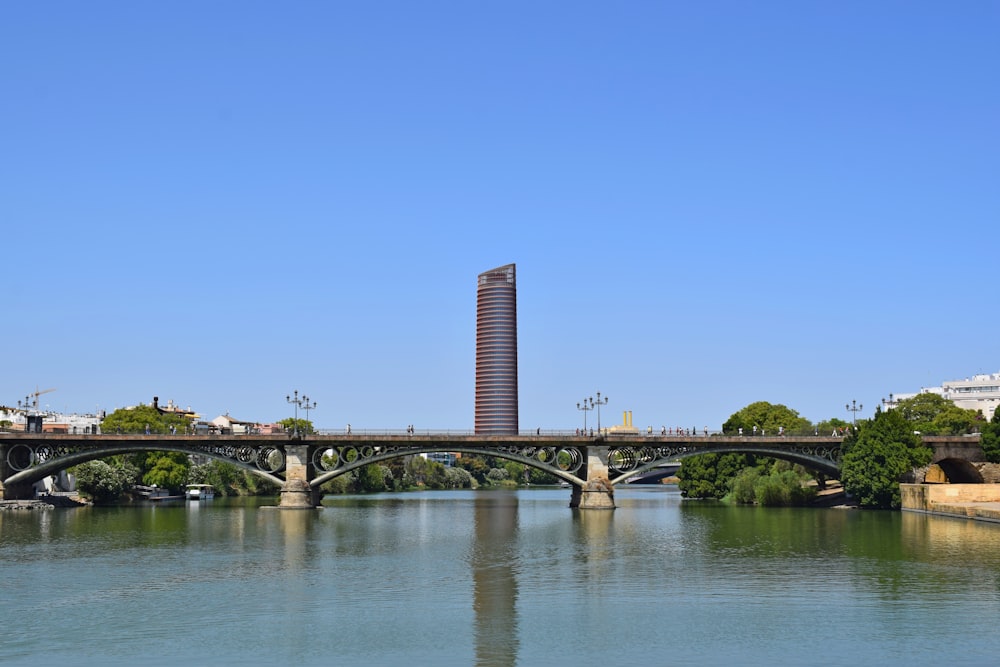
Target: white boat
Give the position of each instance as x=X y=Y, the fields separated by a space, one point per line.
x=199 y=492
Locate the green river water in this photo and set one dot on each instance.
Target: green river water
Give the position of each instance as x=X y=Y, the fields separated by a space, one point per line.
x=496 y=578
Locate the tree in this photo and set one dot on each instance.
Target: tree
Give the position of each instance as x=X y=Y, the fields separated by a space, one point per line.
x=104 y=483
x=710 y=475
x=371 y=478
x=767 y=417
x=167 y=470
x=458 y=478
x=876 y=458
x=780 y=485
x=477 y=465
x=831 y=426
x=135 y=420
x=782 y=489
x=225 y=477
x=424 y=472
x=305 y=425
x=932 y=414
x=990 y=439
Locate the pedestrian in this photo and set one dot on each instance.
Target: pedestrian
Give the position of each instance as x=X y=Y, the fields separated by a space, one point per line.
x=741 y=431
x=755 y=429
x=147 y=429
x=663 y=430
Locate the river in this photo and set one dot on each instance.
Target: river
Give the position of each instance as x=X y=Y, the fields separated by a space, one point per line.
x=495 y=578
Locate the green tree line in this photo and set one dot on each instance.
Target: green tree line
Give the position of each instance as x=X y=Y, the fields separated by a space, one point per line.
x=876 y=453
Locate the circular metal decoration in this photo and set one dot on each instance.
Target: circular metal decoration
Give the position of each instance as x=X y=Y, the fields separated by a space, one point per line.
x=326 y=459
x=20 y=457
x=270 y=459
x=545 y=455
x=622 y=459
x=568 y=460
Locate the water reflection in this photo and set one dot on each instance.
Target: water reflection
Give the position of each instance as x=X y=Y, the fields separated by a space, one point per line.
x=493 y=553
x=496 y=579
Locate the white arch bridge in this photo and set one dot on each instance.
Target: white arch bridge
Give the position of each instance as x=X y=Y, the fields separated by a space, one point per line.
x=593 y=466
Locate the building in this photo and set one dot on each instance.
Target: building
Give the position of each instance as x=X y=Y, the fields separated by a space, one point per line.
x=48 y=421
x=980 y=392
x=229 y=426
x=496 y=352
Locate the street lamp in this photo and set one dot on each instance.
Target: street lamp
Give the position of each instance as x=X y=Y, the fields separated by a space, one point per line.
x=586 y=408
x=306 y=406
x=590 y=404
x=598 y=403
x=855 y=408
x=890 y=404
x=296 y=402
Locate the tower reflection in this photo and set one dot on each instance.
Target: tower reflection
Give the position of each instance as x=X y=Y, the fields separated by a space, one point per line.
x=493 y=553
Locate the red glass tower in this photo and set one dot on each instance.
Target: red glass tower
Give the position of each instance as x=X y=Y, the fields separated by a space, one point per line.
x=496 y=352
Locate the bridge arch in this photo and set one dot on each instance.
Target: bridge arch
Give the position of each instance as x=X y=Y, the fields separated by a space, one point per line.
x=630 y=462
x=960 y=471
x=562 y=462
x=33 y=463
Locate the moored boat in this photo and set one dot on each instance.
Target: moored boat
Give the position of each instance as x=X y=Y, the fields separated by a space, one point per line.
x=199 y=492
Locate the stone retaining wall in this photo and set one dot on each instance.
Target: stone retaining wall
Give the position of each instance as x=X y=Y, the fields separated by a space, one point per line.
x=974 y=501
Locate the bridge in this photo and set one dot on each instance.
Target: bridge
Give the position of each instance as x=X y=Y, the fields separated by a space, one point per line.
x=593 y=466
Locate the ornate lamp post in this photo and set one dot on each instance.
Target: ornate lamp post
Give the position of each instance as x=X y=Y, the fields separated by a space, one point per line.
x=590 y=404
x=890 y=404
x=306 y=406
x=586 y=408
x=599 y=403
x=296 y=402
x=855 y=408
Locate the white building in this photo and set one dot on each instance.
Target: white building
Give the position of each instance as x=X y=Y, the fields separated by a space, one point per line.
x=52 y=422
x=980 y=392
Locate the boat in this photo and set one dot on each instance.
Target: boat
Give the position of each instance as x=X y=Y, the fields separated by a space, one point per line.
x=199 y=492
x=154 y=493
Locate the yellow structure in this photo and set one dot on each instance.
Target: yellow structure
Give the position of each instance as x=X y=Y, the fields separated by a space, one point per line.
x=625 y=428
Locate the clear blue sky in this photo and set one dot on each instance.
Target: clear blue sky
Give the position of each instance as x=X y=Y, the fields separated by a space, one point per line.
x=709 y=204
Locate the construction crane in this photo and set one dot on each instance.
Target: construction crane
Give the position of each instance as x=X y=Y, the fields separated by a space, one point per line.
x=36 y=394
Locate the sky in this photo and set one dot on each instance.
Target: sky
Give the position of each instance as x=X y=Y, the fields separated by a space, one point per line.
x=709 y=204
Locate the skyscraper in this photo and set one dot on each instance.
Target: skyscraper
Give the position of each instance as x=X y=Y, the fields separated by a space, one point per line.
x=496 y=352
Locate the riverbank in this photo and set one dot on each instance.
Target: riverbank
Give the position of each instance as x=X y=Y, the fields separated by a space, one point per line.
x=41 y=503
x=979 y=502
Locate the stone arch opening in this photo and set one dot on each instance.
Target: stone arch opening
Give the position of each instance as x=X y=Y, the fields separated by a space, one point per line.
x=957 y=471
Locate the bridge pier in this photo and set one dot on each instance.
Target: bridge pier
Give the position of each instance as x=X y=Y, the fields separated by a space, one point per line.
x=597 y=493
x=296 y=492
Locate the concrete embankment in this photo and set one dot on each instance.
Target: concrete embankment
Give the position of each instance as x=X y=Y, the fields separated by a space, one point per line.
x=980 y=502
